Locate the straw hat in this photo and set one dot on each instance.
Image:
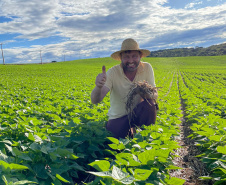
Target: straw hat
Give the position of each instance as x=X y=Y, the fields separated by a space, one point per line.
x=129 y=44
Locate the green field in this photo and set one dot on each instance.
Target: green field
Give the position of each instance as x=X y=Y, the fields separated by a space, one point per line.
x=51 y=133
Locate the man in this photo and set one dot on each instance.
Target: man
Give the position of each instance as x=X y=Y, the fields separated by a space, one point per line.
x=118 y=81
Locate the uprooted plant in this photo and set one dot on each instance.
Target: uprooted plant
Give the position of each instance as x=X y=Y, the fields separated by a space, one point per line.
x=139 y=88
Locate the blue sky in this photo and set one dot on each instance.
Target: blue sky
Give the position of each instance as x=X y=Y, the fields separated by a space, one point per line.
x=96 y=28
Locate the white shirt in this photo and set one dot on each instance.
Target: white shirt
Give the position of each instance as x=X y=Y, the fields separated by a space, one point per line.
x=120 y=85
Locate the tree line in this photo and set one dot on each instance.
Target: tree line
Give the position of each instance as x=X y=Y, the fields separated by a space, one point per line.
x=213 y=50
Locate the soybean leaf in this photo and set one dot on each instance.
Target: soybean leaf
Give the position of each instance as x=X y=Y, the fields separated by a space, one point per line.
x=61 y=178
x=221 y=149
x=147 y=156
x=24 y=182
x=175 y=180
x=40 y=171
x=127 y=159
x=222 y=169
x=121 y=176
x=100 y=165
x=142 y=174
x=118 y=174
x=113 y=140
x=12 y=166
x=101 y=174
x=205 y=177
x=172 y=167
x=117 y=146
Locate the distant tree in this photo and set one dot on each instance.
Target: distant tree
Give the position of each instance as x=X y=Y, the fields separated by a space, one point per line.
x=197 y=51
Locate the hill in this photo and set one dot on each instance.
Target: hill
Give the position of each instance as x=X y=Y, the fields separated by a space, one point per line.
x=214 y=50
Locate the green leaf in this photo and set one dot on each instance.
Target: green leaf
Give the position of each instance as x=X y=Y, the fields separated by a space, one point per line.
x=17 y=167
x=38 y=139
x=175 y=180
x=222 y=169
x=51 y=176
x=147 y=156
x=93 y=148
x=61 y=178
x=162 y=153
x=141 y=174
x=127 y=180
x=66 y=153
x=121 y=161
x=24 y=182
x=77 y=167
x=121 y=176
x=100 y=165
x=12 y=166
x=143 y=144
x=101 y=174
x=25 y=157
x=10 y=149
x=205 y=178
x=3 y=156
x=6 y=141
x=172 y=167
x=56 y=182
x=216 y=138
x=35 y=146
x=71 y=124
x=113 y=140
x=118 y=174
x=40 y=171
x=44 y=149
x=30 y=136
x=16 y=151
x=4 y=179
x=117 y=146
x=127 y=159
x=72 y=156
x=221 y=149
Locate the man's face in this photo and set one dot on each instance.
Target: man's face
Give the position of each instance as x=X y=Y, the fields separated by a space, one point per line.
x=130 y=60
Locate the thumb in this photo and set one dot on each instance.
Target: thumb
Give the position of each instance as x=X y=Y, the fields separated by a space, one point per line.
x=103 y=70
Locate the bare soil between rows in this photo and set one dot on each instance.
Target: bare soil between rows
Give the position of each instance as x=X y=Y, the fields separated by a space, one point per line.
x=192 y=167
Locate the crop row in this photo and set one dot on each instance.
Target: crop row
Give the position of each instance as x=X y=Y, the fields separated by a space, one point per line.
x=209 y=91
x=205 y=112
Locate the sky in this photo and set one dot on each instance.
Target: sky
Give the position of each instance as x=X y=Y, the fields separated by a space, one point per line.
x=63 y=30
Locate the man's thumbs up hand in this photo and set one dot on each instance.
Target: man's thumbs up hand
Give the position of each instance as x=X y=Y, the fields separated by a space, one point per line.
x=101 y=78
x=103 y=70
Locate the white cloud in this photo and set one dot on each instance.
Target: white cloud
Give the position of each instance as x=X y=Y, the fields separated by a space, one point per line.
x=99 y=26
x=31 y=19
x=192 y=5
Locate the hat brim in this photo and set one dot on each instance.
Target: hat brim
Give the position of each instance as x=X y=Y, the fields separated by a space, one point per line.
x=116 y=55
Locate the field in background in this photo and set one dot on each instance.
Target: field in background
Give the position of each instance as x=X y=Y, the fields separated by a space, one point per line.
x=51 y=133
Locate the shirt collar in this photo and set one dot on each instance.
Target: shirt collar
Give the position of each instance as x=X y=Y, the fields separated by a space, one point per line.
x=140 y=68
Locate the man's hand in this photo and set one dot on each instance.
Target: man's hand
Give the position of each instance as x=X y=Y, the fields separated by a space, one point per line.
x=100 y=91
x=101 y=78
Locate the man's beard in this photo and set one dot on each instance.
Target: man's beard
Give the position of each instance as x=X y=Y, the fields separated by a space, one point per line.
x=127 y=67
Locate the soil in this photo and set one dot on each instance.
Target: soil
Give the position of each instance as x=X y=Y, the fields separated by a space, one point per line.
x=193 y=168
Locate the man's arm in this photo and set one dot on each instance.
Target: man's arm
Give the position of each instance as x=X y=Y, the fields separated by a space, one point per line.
x=100 y=91
x=98 y=94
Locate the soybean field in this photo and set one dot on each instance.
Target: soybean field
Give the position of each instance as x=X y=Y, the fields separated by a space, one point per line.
x=51 y=133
